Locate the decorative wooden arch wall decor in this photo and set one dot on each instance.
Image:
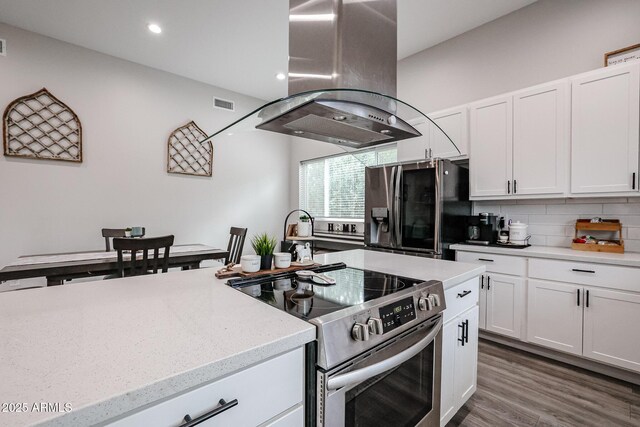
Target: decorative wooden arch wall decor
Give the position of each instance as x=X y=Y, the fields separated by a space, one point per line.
x=187 y=154
x=40 y=126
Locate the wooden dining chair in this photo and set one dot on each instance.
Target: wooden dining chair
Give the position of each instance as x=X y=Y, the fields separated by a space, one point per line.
x=236 y=244
x=110 y=233
x=145 y=265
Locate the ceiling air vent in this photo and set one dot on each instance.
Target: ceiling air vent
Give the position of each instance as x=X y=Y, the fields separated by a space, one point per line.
x=3 y=47
x=224 y=104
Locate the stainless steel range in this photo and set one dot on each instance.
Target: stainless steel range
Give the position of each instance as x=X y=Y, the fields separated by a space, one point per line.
x=377 y=358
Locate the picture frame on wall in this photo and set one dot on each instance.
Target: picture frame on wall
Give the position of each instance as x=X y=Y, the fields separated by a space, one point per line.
x=621 y=56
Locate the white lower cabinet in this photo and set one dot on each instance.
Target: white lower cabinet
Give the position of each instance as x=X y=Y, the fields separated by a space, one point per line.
x=269 y=394
x=610 y=328
x=555 y=315
x=505 y=304
x=459 y=349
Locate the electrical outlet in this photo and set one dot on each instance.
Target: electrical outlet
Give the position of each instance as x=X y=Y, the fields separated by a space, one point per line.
x=3 y=47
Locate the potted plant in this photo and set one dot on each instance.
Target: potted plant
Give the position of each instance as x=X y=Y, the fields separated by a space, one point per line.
x=264 y=245
x=127 y=232
x=304 y=226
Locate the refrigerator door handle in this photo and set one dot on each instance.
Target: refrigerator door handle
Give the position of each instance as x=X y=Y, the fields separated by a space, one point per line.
x=396 y=207
x=392 y=210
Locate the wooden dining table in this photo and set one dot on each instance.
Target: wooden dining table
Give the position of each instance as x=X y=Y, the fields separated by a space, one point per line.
x=66 y=266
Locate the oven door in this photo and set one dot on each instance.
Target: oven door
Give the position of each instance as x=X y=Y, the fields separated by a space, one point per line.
x=396 y=384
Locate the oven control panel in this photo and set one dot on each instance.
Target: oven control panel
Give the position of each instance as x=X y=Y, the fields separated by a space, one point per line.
x=397 y=314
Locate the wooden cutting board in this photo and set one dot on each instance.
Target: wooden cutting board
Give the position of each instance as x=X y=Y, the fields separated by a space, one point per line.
x=237 y=271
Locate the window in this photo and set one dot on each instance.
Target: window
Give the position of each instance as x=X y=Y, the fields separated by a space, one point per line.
x=333 y=187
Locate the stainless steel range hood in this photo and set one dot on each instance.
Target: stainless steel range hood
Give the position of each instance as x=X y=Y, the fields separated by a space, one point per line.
x=342 y=77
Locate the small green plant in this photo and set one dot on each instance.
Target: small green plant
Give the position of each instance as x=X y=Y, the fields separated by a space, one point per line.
x=263 y=244
x=128 y=229
x=304 y=218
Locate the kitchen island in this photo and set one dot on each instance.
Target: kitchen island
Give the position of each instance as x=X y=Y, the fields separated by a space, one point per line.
x=97 y=351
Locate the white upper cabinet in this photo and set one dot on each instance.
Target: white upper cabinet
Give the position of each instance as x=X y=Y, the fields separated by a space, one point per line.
x=541 y=135
x=454 y=122
x=491 y=147
x=605 y=130
x=415 y=148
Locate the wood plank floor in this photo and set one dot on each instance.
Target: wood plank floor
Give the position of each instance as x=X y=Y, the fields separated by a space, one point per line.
x=516 y=388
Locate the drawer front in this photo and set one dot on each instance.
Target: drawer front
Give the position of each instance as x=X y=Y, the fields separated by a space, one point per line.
x=263 y=392
x=461 y=297
x=293 y=418
x=505 y=264
x=582 y=273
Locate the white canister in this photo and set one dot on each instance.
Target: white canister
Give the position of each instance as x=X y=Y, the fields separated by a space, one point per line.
x=518 y=233
x=282 y=259
x=250 y=263
x=304 y=229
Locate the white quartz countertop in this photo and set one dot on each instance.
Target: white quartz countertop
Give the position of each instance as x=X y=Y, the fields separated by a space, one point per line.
x=450 y=273
x=626 y=259
x=108 y=347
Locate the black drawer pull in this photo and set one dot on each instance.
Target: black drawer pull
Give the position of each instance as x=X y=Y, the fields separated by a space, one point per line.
x=464 y=294
x=485 y=259
x=189 y=422
x=578 y=297
x=583 y=271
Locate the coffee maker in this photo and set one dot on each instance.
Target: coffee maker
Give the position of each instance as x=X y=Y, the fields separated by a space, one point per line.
x=482 y=229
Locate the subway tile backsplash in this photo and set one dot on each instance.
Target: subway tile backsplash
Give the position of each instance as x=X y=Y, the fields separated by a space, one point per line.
x=551 y=221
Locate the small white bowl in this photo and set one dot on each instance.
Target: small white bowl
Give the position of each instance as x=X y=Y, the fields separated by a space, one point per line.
x=282 y=259
x=250 y=263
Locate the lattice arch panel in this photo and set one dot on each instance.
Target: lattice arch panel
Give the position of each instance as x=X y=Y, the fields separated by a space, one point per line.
x=187 y=154
x=40 y=126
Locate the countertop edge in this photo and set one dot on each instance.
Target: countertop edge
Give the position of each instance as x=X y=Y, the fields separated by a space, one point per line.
x=102 y=413
x=549 y=252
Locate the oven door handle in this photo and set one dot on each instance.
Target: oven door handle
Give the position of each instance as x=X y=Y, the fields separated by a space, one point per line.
x=364 y=374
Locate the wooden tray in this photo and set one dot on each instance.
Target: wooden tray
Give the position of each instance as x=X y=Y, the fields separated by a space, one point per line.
x=606 y=225
x=594 y=247
x=237 y=272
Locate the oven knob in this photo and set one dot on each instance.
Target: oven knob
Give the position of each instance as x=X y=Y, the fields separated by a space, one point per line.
x=435 y=300
x=360 y=332
x=375 y=326
x=425 y=303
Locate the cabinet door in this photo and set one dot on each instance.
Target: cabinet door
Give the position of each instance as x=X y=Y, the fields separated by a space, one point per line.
x=611 y=331
x=467 y=358
x=554 y=315
x=541 y=139
x=490 y=147
x=505 y=304
x=482 y=303
x=604 y=130
x=455 y=123
x=450 y=334
x=415 y=148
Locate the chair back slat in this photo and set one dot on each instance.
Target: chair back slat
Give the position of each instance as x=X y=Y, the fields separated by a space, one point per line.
x=145 y=245
x=236 y=244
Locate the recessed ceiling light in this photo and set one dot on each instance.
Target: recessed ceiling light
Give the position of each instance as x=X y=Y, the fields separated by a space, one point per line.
x=280 y=76
x=154 y=28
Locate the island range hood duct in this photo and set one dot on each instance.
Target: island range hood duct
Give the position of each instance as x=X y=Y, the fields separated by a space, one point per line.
x=342 y=44
x=342 y=79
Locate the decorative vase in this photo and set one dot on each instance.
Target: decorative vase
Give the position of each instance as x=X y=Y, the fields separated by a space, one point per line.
x=266 y=261
x=304 y=229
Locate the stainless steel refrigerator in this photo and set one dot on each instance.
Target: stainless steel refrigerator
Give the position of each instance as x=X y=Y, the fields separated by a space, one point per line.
x=416 y=207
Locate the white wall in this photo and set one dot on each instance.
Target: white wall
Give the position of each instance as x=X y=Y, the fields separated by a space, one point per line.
x=127 y=113
x=546 y=40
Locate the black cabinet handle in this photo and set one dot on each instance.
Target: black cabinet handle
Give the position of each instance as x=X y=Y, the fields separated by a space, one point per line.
x=587 y=302
x=461 y=339
x=189 y=422
x=582 y=271
x=482 y=282
x=515 y=186
x=488 y=283
x=508 y=187
x=485 y=259
x=464 y=294
x=466 y=331
x=578 y=297
x=633 y=181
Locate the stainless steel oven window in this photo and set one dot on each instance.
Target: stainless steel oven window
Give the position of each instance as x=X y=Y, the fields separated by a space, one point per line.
x=406 y=395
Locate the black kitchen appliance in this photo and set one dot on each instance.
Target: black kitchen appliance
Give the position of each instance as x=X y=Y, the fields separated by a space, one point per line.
x=483 y=229
x=419 y=208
